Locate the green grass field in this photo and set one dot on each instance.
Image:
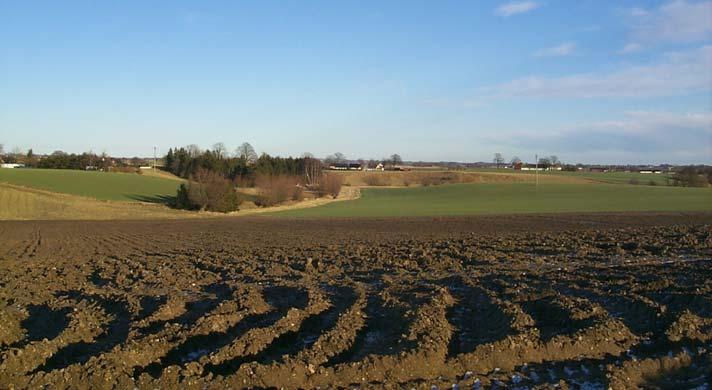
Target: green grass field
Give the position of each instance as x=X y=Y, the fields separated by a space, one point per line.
x=512 y=198
x=99 y=185
x=620 y=177
x=603 y=177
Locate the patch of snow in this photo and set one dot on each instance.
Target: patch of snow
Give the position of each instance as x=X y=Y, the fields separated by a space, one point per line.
x=476 y=384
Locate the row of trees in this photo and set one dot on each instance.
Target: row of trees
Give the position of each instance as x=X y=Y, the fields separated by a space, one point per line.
x=243 y=165
x=214 y=175
x=692 y=176
x=62 y=160
x=58 y=160
x=340 y=158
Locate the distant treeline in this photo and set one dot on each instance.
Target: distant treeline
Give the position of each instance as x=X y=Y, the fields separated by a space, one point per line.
x=693 y=176
x=61 y=160
x=186 y=162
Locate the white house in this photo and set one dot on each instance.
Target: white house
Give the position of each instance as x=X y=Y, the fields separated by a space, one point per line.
x=7 y=165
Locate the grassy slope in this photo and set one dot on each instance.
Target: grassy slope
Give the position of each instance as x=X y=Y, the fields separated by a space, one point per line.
x=99 y=185
x=469 y=199
x=26 y=203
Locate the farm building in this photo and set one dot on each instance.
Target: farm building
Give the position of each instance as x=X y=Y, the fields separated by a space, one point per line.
x=534 y=167
x=8 y=165
x=379 y=167
x=345 y=167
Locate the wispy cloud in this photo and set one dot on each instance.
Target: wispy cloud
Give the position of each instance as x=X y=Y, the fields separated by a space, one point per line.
x=675 y=74
x=561 y=50
x=676 y=21
x=631 y=48
x=648 y=135
x=638 y=12
x=454 y=103
x=516 y=7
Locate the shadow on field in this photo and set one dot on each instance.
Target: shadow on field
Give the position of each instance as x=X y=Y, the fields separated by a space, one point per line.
x=164 y=199
x=44 y=322
x=114 y=332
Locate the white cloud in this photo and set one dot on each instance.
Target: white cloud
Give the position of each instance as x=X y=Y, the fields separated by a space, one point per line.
x=561 y=50
x=631 y=48
x=678 y=73
x=649 y=122
x=516 y=7
x=676 y=21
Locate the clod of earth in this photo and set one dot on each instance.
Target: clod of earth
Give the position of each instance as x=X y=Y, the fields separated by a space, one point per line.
x=533 y=302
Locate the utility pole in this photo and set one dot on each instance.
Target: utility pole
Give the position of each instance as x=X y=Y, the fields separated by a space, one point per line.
x=536 y=169
x=154 y=159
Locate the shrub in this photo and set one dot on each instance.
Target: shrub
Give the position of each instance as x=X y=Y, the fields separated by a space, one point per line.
x=633 y=181
x=275 y=189
x=375 y=180
x=126 y=169
x=210 y=191
x=428 y=180
x=298 y=193
x=652 y=183
x=245 y=181
x=183 y=199
x=331 y=185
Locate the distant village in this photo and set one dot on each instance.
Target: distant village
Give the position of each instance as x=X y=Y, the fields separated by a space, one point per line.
x=92 y=162
x=518 y=166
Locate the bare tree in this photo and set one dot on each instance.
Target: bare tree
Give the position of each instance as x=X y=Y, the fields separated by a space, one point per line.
x=312 y=171
x=544 y=162
x=362 y=162
x=336 y=158
x=2 y=149
x=515 y=160
x=331 y=185
x=396 y=159
x=554 y=160
x=498 y=160
x=193 y=150
x=220 y=150
x=246 y=152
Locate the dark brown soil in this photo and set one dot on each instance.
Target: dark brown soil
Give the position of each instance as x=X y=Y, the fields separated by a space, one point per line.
x=574 y=301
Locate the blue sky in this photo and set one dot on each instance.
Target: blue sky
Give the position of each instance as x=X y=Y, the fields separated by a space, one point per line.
x=591 y=81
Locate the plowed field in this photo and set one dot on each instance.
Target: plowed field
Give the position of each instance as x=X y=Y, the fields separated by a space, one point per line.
x=576 y=301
